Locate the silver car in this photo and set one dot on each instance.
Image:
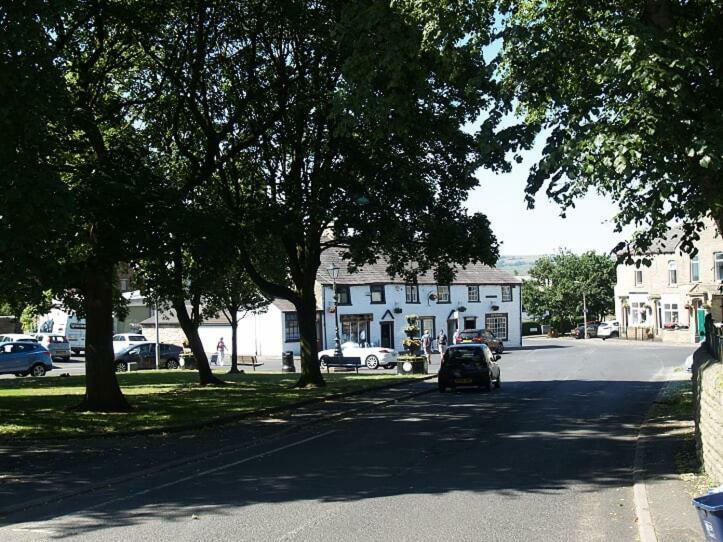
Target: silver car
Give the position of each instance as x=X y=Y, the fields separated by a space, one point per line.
x=57 y=345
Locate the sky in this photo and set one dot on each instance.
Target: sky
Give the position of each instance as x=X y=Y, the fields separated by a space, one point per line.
x=541 y=230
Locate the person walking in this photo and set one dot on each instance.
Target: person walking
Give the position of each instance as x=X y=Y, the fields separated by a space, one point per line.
x=427 y=346
x=220 y=351
x=441 y=343
x=457 y=337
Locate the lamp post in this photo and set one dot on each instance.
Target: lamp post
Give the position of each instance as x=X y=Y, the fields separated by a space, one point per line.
x=333 y=271
x=584 y=306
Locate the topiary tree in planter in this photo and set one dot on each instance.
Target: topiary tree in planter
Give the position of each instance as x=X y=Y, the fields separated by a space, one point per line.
x=411 y=361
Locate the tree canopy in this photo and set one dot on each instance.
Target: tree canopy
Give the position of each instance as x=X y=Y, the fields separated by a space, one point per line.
x=628 y=96
x=553 y=295
x=363 y=145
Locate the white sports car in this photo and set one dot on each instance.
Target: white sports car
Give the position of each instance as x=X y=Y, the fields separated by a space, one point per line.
x=371 y=356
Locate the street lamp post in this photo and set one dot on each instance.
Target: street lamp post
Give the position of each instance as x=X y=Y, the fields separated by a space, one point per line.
x=584 y=312
x=333 y=271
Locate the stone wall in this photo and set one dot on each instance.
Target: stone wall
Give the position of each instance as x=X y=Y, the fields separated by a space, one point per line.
x=708 y=389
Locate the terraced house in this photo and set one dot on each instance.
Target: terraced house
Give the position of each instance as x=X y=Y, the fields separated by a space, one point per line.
x=669 y=300
x=372 y=305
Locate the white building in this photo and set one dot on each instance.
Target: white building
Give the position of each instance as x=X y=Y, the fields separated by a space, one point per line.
x=372 y=308
x=372 y=305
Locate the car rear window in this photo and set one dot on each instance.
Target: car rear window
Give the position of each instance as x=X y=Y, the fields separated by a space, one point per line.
x=469 y=334
x=465 y=355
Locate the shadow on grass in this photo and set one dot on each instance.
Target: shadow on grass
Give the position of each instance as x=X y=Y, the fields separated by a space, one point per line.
x=538 y=437
x=37 y=408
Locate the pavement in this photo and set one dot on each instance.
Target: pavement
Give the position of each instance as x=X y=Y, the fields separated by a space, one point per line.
x=549 y=456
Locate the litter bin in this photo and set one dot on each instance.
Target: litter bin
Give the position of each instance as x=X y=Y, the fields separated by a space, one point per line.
x=710 y=512
x=287 y=362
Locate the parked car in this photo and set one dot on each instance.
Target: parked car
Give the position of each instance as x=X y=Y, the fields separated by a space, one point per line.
x=372 y=356
x=481 y=336
x=17 y=337
x=24 y=358
x=124 y=340
x=608 y=330
x=57 y=345
x=579 y=331
x=144 y=356
x=469 y=365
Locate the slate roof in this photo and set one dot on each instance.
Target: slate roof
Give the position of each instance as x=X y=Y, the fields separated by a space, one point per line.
x=377 y=273
x=669 y=243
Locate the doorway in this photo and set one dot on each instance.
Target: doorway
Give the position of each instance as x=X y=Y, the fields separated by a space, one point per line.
x=387 y=335
x=451 y=330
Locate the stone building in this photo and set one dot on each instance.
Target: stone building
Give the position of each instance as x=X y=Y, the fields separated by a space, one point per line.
x=669 y=299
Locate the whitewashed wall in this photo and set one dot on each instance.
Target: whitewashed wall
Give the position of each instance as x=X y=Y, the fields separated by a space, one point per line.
x=395 y=296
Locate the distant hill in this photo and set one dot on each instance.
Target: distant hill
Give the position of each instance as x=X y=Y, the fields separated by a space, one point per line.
x=519 y=265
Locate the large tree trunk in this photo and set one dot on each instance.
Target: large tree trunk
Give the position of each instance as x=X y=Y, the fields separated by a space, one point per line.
x=190 y=329
x=306 y=312
x=102 y=392
x=234 y=348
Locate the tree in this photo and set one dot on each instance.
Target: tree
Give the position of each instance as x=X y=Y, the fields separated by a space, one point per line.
x=554 y=293
x=629 y=100
x=76 y=67
x=364 y=149
x=233 y=293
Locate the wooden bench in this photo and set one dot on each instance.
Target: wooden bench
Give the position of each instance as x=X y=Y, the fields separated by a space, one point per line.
x=248 y=361
x=348 y=362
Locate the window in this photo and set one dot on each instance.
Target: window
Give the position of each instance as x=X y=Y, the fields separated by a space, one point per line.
x=718 y=262
x=377 y=293
x=355 y=328
x=672 y=272
x=638 y=313
x=497 y=324
x=343 y=296
x=291 y=327
x=123 y=285
x=412 y=293
x=638 y=277
x=670 y=313
x=443 y=294
x=473 y=294
x=694 y=269
x=506 y=293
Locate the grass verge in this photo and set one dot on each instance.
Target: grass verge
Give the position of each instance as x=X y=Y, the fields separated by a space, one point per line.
x=36 y=407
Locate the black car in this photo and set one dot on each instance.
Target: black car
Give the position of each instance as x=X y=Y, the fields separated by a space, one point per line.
x=144 y=356
x=579 y=331
x=469 y=365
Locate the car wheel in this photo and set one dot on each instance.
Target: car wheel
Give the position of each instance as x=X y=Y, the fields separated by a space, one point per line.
x=172 y=364
x=372 y=362
x=322 y=362
x=389 y=366
x=66 y=359
x=614 y=334
x=38 y=370
x=121 y=367
x=488 y=384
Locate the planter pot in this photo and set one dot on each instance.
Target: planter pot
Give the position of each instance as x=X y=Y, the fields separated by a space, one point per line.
x=411 y=365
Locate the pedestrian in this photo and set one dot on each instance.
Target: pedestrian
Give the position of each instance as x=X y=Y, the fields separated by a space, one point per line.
x=427 y=346
x=220 y=351
x=457 y=337
x=362 y=338
x=441 y=343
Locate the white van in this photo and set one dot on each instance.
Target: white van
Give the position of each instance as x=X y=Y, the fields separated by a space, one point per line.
x=59 y=322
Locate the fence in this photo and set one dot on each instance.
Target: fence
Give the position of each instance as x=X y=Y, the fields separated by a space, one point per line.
x=714 y=338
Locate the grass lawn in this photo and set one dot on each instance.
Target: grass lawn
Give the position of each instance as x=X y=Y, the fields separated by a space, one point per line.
x=36 y=407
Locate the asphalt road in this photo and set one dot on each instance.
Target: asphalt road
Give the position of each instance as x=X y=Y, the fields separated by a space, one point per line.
x=547 y=457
